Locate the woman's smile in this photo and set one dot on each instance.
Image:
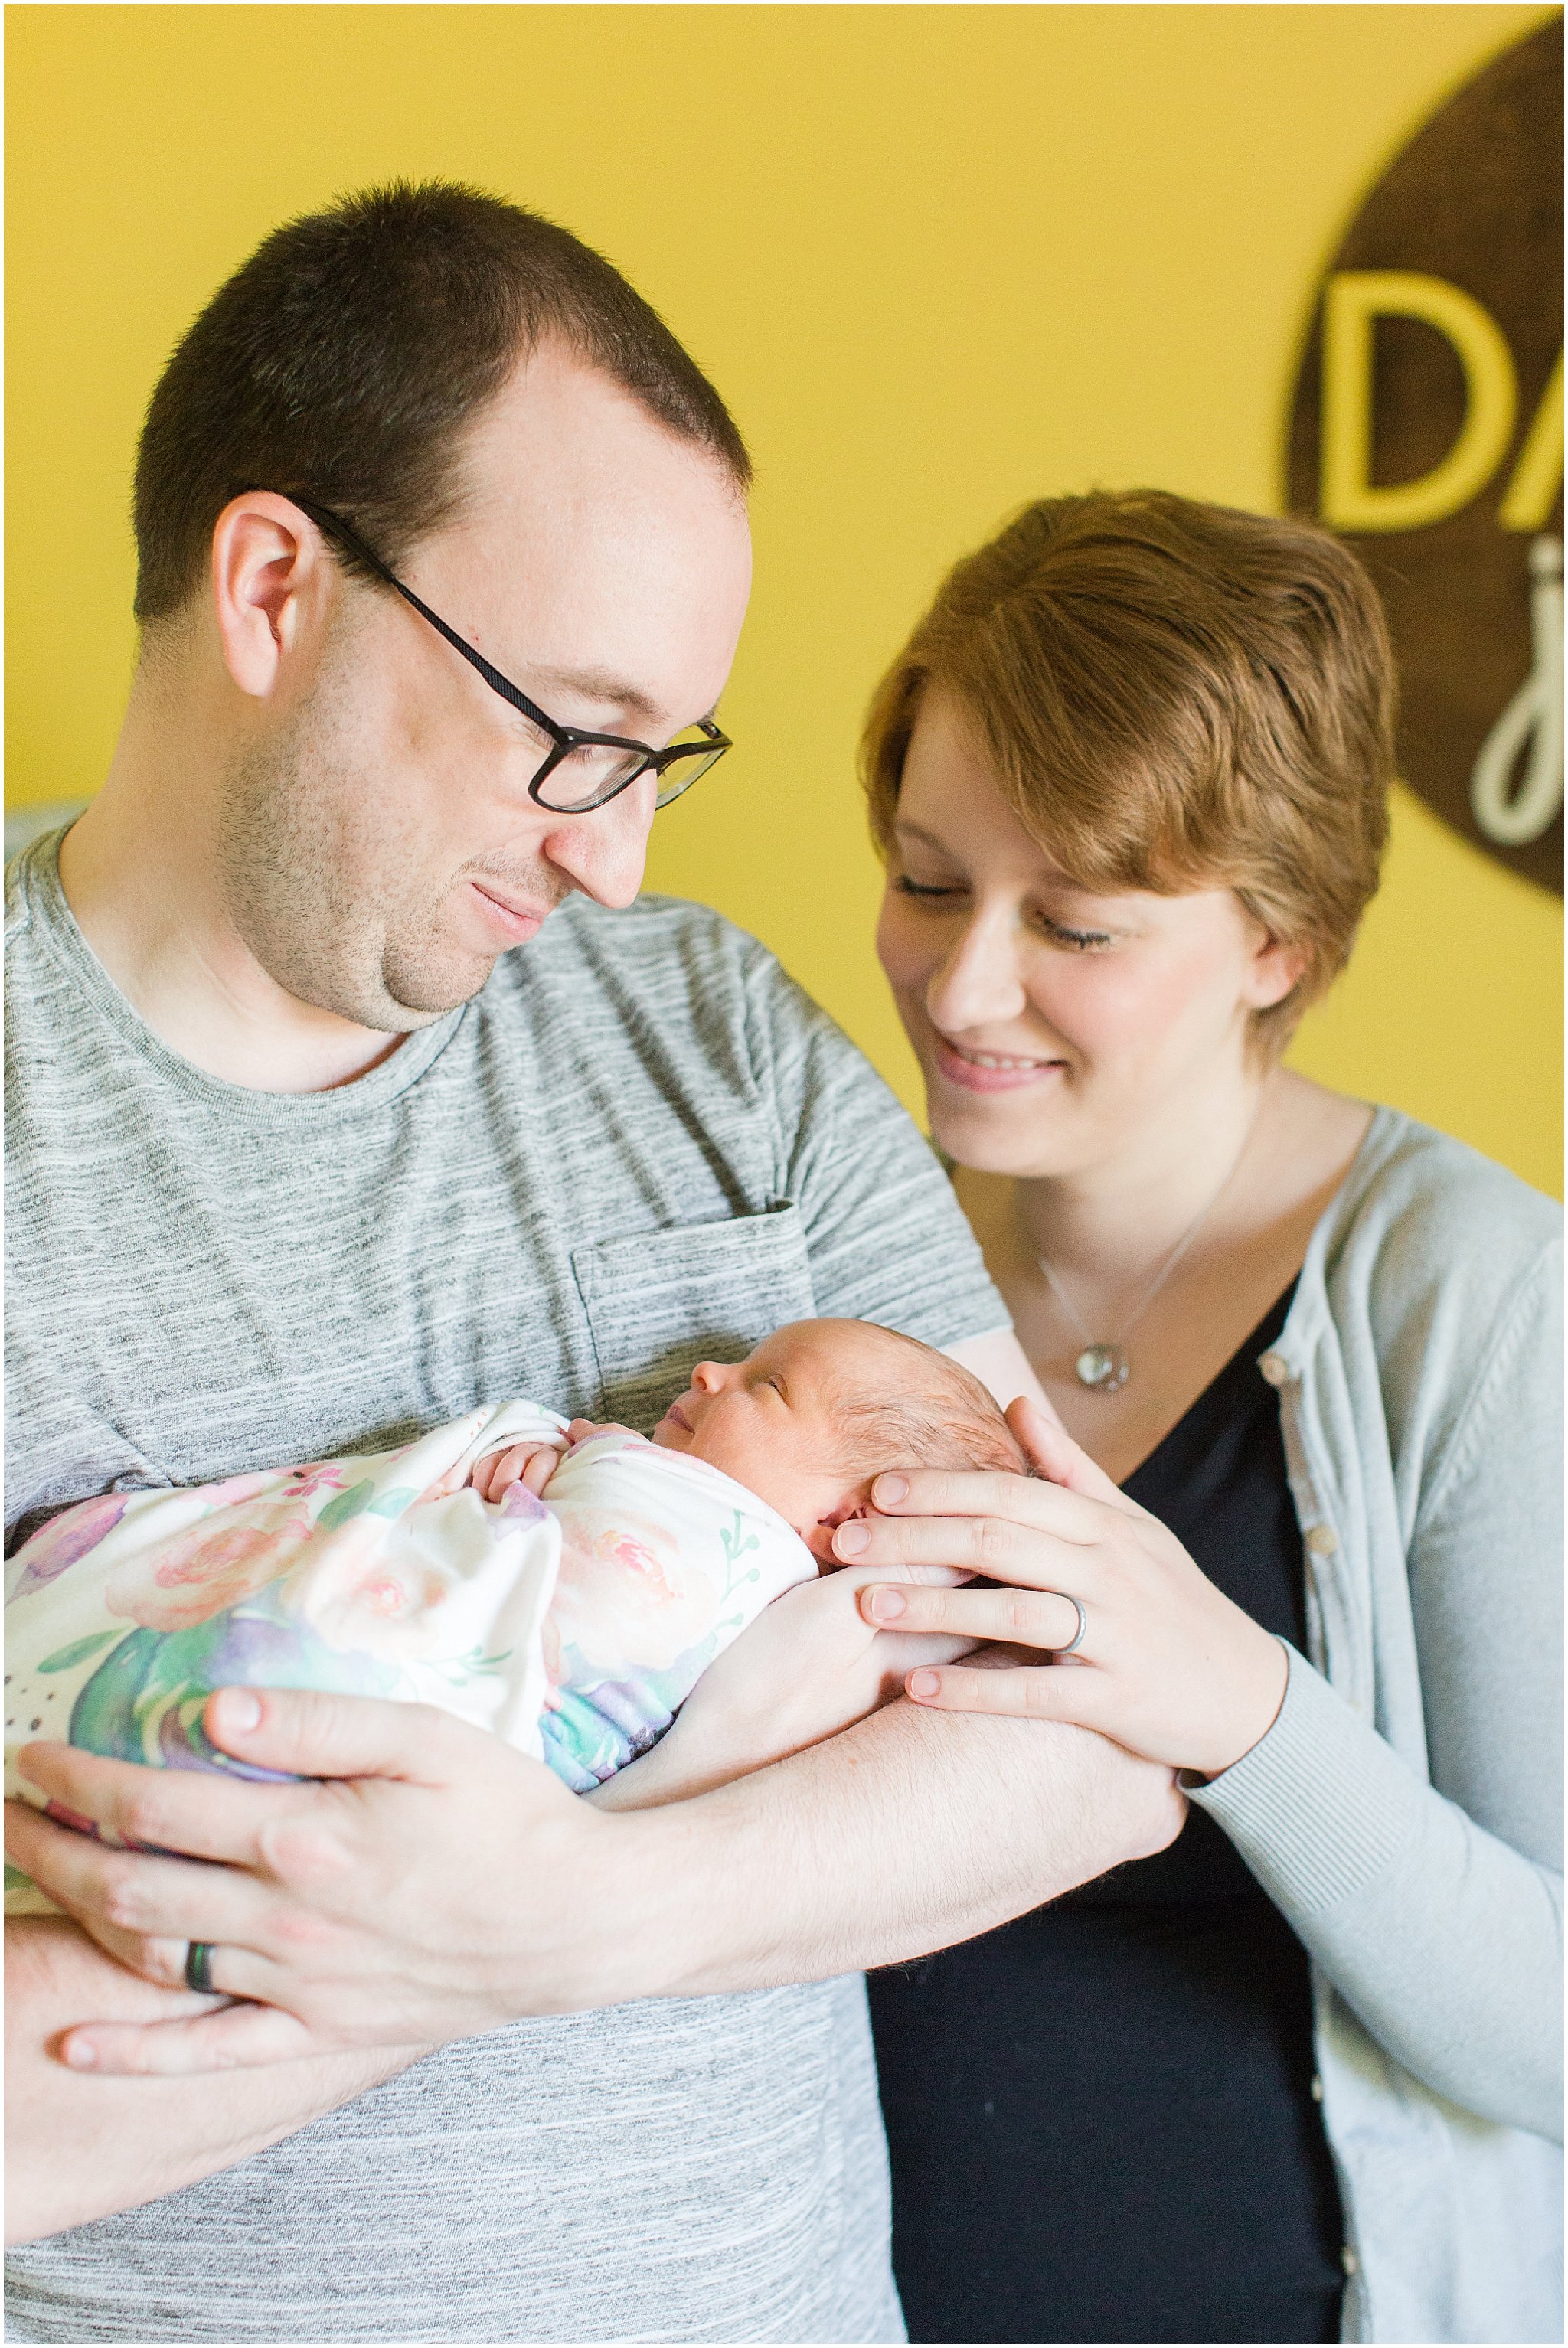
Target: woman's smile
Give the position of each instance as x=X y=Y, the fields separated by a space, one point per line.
x=990 y=1072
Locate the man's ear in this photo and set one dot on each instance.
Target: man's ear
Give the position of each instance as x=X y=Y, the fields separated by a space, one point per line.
x=819 y=1538
x=269 y=573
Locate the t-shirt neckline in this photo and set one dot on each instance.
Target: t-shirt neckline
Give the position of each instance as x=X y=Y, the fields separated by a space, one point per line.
x=38 y=876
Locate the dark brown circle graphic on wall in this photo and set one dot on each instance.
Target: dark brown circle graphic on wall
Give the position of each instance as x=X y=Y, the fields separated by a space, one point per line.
x=1428 y=431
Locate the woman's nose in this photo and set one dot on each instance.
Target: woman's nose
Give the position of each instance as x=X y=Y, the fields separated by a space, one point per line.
x=979 y=983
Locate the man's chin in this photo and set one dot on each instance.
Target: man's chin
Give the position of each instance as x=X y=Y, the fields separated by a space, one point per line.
x=421 y=989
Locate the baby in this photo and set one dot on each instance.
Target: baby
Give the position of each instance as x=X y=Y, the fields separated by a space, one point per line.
x=564 y=1587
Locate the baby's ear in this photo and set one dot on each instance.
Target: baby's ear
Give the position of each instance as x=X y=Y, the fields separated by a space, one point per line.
x=819 y=1538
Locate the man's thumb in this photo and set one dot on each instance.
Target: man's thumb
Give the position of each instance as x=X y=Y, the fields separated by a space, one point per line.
x=299 y=1732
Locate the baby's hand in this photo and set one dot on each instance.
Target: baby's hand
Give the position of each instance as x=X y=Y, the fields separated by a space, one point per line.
x=531 y=1463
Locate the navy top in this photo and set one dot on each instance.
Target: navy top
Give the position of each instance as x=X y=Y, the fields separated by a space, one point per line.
x=1100 y=2117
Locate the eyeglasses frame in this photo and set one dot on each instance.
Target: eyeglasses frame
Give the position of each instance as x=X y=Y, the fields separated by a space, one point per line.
x=565 y=738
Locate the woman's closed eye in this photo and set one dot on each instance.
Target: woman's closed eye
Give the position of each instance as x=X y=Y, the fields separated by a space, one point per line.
x=944 y=894
x=1077 y=940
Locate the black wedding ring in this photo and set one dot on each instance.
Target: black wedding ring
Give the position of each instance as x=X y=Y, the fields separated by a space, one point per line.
x=199 y=1967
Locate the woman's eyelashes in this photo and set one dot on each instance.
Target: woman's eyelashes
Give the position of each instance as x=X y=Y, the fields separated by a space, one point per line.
x=947 y=893
x=1079 y=941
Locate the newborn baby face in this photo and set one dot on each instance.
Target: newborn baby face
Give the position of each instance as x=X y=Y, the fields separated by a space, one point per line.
x=769 y=1421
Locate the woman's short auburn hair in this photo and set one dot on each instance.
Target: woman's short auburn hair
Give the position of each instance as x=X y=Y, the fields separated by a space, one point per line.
x=1170 y=695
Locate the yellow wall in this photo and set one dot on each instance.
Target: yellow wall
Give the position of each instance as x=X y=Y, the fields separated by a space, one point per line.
x=939 y=259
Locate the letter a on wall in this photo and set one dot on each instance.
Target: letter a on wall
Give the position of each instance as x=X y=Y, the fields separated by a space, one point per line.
x=1427 y=429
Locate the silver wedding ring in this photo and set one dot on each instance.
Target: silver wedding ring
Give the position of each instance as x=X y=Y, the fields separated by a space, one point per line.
x=1076 y=1605
x=199 y=1967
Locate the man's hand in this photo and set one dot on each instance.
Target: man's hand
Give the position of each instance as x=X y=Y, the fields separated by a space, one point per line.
x=425 y=1883
x=80 y=2144
x=439 y=1884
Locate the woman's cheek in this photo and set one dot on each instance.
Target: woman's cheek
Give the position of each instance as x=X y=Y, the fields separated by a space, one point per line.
x=907 y=957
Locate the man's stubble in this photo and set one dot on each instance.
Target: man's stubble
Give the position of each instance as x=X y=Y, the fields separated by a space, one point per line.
x=330 y=883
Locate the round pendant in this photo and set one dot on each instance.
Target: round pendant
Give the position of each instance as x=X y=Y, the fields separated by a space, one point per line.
x=1103 y=1368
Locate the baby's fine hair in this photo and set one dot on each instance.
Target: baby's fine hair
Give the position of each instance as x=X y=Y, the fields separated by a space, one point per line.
x=941 y=1417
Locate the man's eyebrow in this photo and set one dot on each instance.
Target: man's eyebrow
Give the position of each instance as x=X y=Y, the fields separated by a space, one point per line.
x=599 y=684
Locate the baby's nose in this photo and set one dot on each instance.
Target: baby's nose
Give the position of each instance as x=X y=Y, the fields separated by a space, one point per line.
x=707 y=1377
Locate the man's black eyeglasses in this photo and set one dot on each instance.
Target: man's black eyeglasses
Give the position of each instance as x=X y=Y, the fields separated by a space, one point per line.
x=581 y=771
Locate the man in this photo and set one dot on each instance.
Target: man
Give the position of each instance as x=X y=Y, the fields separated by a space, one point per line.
x=307 y=1156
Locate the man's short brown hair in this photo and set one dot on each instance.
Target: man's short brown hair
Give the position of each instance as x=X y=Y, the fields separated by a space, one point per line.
x=343 y=359
x=1170 y=695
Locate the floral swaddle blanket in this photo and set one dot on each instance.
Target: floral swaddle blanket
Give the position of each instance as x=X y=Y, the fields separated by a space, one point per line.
x=574 y=1626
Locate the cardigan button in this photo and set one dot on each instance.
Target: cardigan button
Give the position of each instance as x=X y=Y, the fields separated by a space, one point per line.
x=1349 y=2261
x=1317 y=2086
x=1274 y=1368
x=1323 y=1541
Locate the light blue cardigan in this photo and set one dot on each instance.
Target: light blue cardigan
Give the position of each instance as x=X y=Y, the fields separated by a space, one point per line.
x=1404 y=1812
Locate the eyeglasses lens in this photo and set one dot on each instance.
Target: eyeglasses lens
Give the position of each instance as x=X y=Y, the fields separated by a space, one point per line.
x=685 y=772
x=587 y=776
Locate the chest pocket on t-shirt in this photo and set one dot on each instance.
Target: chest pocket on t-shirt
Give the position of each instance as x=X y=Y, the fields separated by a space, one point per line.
x=659 y=1301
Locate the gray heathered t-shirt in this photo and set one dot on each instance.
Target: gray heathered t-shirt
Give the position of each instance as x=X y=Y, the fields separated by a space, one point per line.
x=640 y=1144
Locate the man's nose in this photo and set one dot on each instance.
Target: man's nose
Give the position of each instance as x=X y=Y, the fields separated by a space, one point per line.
x=604 y=853
x=980 y=981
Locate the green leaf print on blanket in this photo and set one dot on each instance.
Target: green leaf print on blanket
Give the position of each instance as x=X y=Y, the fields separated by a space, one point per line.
x=144 y=1702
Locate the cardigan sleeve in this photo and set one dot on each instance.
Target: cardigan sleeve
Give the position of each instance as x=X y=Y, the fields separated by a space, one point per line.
x=1436 y=1909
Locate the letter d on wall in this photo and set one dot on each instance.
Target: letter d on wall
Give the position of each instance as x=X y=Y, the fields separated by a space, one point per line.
x=1353 y=302
x=1428 y=427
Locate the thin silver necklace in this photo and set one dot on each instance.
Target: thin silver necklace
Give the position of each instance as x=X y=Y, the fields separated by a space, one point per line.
x=1103 y=1364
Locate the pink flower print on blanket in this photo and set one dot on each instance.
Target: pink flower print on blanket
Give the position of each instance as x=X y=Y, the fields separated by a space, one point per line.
x=377 y=1591
x=626 y=1598
x=198 y=1574
x=185 y=1580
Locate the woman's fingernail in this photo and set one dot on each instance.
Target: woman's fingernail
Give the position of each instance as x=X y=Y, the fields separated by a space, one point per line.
x=851 y=1539
x=237 y=1711
x=887 y=1605
x=924 y=1682
x=889 y=1491
x=79 y=2053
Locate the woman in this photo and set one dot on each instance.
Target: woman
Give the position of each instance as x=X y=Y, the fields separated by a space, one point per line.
x=1292 y=2079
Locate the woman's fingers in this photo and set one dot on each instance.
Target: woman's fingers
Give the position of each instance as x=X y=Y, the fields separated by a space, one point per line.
x=1048 y=1692
x=998 y=1547
x=1011 y=1499
x=1022 y=1618
x=1062 y=1462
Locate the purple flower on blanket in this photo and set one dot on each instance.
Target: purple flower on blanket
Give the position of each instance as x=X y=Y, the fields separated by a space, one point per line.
x=517 y=1504
x=66 y=1538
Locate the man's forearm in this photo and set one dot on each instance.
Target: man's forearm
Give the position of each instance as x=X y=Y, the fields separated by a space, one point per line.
x=906 y=1833
x=81 y=2146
